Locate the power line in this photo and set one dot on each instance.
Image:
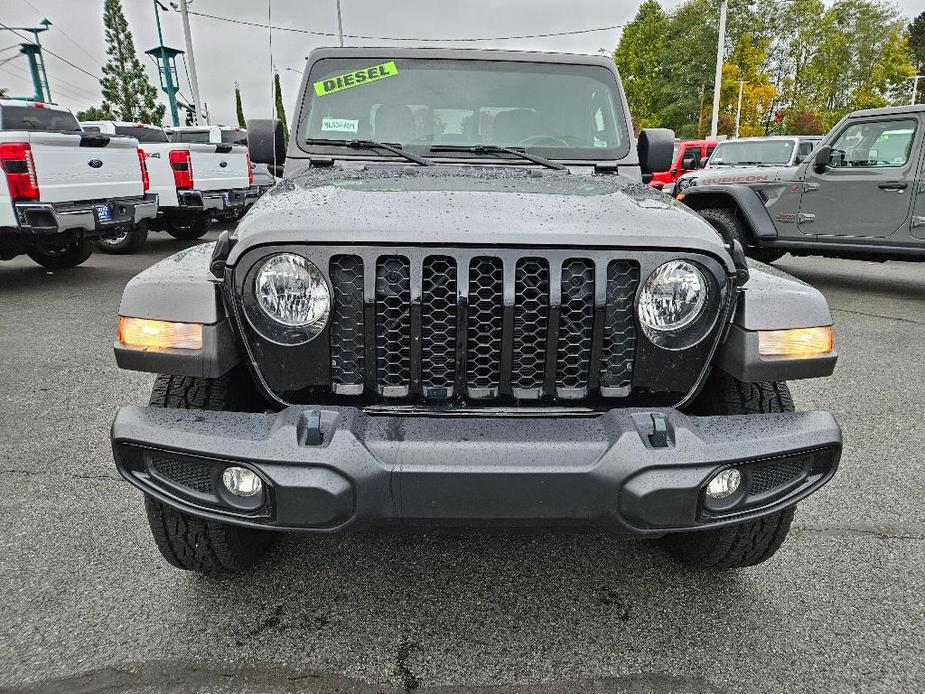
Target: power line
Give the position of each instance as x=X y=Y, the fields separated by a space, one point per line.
x=66 y=89
x=63 y=32
x=393 y=38
x=55 y=55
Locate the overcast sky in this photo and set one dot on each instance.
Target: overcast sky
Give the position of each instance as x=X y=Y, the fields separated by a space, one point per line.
x=227 y=52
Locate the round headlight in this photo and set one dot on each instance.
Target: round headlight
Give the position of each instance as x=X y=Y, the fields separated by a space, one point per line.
x=292 y=291
x=673 y=297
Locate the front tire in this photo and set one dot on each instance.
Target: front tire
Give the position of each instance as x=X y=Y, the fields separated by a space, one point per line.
x=64 y=258
x=129 y=241
x=750 y=542
x=185 y=541
x=186 y=230
x=728 y=224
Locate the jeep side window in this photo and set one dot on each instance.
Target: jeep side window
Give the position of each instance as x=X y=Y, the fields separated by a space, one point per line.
x=806 y=148
x=874 y=145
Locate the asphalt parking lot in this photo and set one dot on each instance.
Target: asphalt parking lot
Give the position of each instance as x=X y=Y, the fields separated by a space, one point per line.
x=89 y=605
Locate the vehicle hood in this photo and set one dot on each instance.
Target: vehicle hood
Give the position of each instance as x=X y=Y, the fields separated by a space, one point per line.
x=724 y=175
x=485 y=206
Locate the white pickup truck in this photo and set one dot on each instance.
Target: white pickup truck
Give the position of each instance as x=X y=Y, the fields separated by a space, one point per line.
x=194 y=182
x=67 y=187
x=214 y=134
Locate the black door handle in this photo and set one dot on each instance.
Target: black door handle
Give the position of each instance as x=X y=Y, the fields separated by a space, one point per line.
x=893 y=185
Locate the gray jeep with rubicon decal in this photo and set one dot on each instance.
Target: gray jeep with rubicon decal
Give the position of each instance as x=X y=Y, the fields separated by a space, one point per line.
x=859 y=193
x=461 y=306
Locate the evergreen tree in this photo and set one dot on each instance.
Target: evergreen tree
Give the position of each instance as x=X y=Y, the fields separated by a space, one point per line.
x=127 y=92
x=97 y=113
x=238 y=107
x=280 y=109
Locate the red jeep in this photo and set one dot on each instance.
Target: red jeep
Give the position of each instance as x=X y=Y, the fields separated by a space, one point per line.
x=688 y=156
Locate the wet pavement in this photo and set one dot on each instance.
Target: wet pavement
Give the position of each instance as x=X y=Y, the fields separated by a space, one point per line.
x=91 y=607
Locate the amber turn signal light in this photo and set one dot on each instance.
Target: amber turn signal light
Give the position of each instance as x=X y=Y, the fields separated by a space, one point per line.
x=158 y=334
x=795 y=343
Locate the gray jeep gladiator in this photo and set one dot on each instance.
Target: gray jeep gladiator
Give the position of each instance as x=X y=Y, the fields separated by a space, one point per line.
x=461 y=306
x=859 y=194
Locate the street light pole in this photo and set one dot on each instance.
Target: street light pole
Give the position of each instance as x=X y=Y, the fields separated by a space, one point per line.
x=194 y=80
x=739 y=109
x=340 y=25
x=915 y=87
x=718 y=82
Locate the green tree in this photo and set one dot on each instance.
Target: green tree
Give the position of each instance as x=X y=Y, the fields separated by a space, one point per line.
x=238 y=107
x=860 y=61
x=746 y=65
x=97 y=113
x=639 y=58
x=127 y=92
x=916 y=39
x=280 y=108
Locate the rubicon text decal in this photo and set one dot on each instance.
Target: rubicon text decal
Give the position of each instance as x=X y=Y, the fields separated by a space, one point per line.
x=356 y=79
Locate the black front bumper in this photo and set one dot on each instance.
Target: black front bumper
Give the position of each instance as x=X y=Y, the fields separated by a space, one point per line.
x=40 y=222
x=633 y=471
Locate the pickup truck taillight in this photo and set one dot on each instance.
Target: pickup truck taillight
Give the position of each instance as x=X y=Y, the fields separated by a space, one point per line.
x=19 y=167
x=182 y=169
x=145 y=179
x=250 y=169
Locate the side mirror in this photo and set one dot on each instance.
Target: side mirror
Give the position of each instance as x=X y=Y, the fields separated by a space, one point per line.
x=691 y=161
x=656 y=149
x=823 y=159
x=266 y=142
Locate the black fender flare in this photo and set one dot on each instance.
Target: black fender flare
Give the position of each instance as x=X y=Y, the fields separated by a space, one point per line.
x=746 y=200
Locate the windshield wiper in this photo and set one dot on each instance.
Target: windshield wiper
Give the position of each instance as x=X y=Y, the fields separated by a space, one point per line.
x=498 y=149
x=372 y=144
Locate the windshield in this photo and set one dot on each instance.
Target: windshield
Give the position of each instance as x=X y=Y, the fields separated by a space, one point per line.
x=142 y=134
x=38 y=118
x=746 y=152
x=567 y=111
x=234 y=137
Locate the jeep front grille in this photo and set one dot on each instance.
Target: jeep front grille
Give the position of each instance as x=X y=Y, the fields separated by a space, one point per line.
x=483 y=327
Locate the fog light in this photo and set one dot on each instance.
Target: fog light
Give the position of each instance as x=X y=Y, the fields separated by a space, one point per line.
x=724 y=484
x=241 y=482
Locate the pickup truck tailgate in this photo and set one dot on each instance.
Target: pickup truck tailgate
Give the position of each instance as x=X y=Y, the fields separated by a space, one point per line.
x=71 y=168
x=216 y=170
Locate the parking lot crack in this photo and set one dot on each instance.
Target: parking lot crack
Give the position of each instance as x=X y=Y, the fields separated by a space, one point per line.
x=877 y=315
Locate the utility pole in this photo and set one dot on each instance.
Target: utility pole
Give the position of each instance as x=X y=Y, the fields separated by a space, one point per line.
x=191 y=60
x=718 y=82
x=915 y=87
x=700 y=112
x=33 y=52
x=739 y=109
x=340 y=25
x=167 y=61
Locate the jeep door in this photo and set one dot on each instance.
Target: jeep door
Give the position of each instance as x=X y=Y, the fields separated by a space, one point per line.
x=866 y=191
x=917 y=224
